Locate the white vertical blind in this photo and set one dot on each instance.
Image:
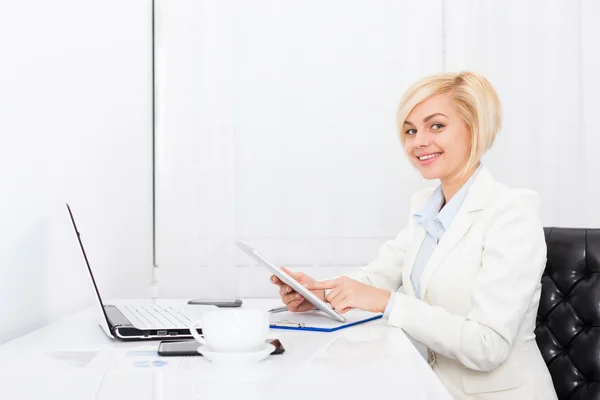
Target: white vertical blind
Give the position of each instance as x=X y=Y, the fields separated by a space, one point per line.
x=540 y=56
x=194 y=144
x=276 y=124
x=586 y=206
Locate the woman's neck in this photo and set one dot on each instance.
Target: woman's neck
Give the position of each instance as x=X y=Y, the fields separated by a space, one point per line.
x=451 y=185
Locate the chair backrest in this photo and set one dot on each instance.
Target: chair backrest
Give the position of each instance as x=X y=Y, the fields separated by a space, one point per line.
x=568 y=320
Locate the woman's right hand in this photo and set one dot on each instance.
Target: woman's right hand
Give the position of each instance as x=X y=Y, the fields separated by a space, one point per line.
x=294 y=301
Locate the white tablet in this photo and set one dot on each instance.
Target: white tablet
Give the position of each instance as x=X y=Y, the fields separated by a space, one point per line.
x=287 y=279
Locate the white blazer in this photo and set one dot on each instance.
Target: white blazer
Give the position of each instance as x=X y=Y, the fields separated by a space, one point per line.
x=480 y=293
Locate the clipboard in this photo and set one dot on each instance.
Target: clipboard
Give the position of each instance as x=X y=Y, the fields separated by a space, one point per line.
x=317 y=321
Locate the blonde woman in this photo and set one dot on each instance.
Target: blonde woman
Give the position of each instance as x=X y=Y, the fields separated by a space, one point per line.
x=470 y=259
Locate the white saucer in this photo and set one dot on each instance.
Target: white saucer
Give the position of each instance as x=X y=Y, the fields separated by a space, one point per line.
x=237 y=358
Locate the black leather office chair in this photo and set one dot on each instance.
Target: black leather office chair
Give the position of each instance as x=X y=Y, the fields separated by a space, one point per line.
x=568 y=323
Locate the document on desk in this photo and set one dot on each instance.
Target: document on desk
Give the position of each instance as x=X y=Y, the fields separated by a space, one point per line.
x=318 y=321
x=138 y=358
x=141 y=358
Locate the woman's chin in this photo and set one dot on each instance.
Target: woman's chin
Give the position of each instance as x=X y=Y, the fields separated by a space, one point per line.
x=431 y=169
x=429 y=173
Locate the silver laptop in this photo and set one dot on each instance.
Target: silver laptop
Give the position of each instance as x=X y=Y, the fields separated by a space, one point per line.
x=141 y=321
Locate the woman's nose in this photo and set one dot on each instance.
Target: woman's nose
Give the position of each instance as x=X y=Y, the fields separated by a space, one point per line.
x=421 y=140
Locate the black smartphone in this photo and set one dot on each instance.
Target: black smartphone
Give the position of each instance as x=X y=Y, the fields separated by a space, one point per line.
x=189 y=347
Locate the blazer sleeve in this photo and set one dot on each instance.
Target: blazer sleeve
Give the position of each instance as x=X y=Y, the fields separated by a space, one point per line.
x=385 y=271
x=513 y=259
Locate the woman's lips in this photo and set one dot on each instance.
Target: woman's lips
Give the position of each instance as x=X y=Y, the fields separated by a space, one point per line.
x=430 y=159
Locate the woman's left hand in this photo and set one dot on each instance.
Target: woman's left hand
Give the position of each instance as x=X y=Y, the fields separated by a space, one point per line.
x=347 y=293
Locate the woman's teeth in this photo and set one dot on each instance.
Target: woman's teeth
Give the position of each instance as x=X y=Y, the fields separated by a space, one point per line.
x=427 y=157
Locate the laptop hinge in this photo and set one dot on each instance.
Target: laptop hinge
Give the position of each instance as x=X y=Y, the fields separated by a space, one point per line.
x=116 y=318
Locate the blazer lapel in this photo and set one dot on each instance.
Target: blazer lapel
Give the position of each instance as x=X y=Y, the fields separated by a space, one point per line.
x=410 y=258
x=453 y=235
x=468 y=213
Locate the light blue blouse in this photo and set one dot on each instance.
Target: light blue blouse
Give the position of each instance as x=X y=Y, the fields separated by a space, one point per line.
x=436 y=222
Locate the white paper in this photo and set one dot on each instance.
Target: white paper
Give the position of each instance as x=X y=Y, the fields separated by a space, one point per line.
x=141 y=358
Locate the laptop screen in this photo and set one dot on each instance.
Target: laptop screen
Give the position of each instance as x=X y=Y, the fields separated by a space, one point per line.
x=89 y=270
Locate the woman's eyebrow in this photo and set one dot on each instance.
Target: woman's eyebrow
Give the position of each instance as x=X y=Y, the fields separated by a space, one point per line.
x=426 y=118
x=433 y=115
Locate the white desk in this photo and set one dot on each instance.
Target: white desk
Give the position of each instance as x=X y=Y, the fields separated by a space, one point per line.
x=73 y=359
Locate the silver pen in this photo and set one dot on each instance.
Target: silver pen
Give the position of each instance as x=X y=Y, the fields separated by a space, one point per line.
x=278 y=309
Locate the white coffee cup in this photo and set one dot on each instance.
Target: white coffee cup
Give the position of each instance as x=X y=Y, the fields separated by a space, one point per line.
x=229 y=331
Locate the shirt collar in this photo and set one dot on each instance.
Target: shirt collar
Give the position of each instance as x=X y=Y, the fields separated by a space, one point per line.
x=431 y=208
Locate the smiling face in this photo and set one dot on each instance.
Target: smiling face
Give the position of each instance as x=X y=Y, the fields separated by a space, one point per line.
x=436 y=139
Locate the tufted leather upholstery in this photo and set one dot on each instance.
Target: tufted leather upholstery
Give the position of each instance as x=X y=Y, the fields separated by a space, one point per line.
x=568 y=323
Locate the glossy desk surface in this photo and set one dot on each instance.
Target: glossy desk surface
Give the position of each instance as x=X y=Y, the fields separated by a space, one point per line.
x=73 y=359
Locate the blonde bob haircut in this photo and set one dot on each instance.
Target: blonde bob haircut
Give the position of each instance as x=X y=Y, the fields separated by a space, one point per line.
x=476 y=101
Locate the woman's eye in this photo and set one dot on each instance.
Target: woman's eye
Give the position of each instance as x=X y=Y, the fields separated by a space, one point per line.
x=411 y=131
x=436 y=127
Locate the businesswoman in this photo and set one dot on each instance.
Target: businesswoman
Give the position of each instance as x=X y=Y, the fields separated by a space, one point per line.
x=470 y=258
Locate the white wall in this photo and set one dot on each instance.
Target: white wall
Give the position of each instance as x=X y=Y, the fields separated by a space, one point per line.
x=546 y=76
x=75 y=125
x=277 y=124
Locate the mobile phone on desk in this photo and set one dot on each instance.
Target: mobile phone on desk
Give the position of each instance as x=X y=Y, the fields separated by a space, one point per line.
x=189 y=347
x=217 y=302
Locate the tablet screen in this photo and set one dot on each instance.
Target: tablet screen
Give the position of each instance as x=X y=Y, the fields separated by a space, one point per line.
x=308 y=295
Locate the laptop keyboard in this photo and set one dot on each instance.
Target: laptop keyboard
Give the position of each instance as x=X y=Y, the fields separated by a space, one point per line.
x=155 y=316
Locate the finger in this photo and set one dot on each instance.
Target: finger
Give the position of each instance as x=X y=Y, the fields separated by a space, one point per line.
x=333 y=294
x=305 y=306
x=294 y=305
x=340 y=302
x=296 y=275
x=285 y=289
x=331 y=284
x=288 y=298
x=275 y=280
x=279 y=284
x=344 y=306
